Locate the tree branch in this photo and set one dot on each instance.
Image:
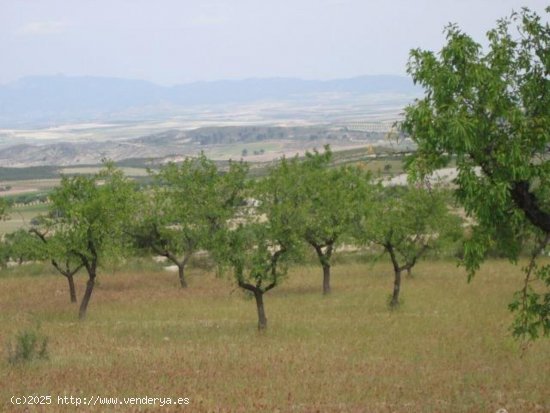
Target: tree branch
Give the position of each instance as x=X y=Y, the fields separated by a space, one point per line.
x=528 y=203
x=247 y=286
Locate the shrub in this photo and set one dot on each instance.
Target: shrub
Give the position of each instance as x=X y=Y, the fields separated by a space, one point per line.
x=29 y=345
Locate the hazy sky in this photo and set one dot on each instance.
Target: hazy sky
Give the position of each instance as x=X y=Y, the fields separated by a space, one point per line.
x=176 y=41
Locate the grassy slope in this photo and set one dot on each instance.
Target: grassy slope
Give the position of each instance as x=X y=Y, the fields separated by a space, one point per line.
x=447 y=349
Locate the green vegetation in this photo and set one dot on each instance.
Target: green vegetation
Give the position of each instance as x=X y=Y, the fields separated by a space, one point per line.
x=407 y=223
x=256 y=253
x=259 y=249
x=21 y=246
x=186 y=207
x=55 y=248
x=29 y=345
x=255 y=228
x=324 y=202
x=89 y=221
x=491 y=111
x=4 y=208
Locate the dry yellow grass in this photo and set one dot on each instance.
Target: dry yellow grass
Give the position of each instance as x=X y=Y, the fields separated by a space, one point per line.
x=447 y=349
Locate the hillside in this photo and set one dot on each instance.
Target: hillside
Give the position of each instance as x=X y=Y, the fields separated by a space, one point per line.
x=254 y=143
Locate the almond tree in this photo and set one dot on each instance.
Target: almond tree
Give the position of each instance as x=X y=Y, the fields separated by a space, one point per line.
x=407 y=223
x=489 y=111
x=326 y=199
x=257 y=257
x=264 y=241
x=91 y=219
x=22 y=246
x=189 y=202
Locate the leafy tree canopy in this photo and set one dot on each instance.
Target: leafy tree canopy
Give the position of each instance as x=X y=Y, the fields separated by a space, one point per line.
x=408 y=222
x=325 y=201
x=489 y=110
x=22 y=246
x=262 y=238
x=89 y=216
x=189 y=204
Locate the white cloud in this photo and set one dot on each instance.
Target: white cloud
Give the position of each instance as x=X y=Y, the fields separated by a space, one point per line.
x=42 y=28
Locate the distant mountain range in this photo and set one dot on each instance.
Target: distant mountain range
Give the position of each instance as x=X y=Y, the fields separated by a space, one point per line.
x=41 y=100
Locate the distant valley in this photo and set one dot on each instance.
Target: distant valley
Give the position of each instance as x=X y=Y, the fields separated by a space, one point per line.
x=45 y=101
x=63 y=121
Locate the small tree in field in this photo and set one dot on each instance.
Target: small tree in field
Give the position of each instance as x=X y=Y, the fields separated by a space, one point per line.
x=407 y=223
x=91 y=219
x=489 y=111
x=257 y=259
x=265 y=239
x=187 y=206
x=22 y=246
x=326 y=201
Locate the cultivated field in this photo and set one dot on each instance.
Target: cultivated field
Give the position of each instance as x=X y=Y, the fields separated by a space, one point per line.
x=26 y=186
x=21 y=217
x=80 y=170
x=446 y=349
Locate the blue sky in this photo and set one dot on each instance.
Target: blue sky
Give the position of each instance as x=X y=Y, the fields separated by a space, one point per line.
x=170 y=41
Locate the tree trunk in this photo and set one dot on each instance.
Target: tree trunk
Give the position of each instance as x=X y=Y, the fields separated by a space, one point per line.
x=181 y=268
x=262 y=320
x=72 y=289
x=409 y=273
x=326 y=279
x=396 y=287
x=529 y=204
x=86 y=299
x=324 y=259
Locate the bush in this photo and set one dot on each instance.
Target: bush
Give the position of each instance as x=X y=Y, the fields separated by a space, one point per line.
x=29 y=345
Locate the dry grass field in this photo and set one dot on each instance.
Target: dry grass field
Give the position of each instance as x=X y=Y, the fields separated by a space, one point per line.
x=446 y=349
